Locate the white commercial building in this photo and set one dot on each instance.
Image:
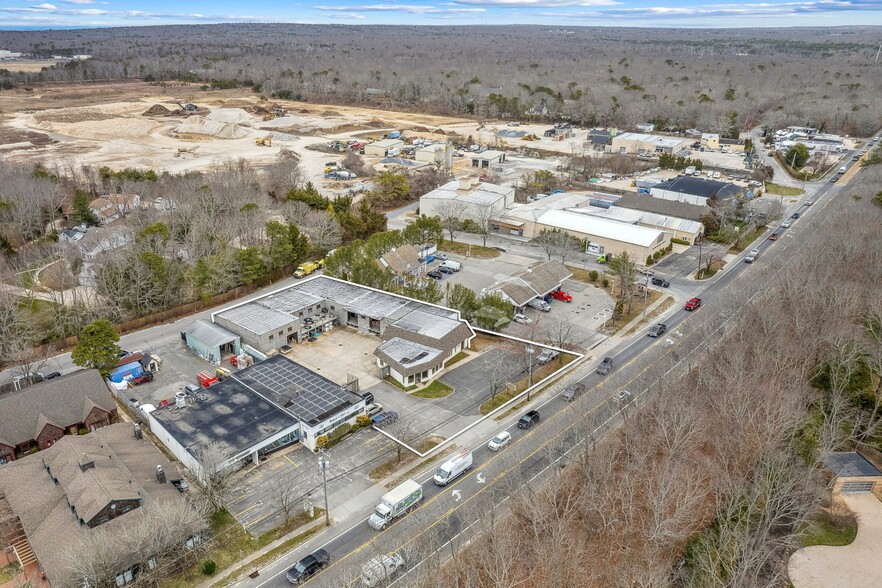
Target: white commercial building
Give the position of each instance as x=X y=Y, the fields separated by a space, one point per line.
x=467 y=196
x=382 y=148
x=633 y=143
x=605 y=236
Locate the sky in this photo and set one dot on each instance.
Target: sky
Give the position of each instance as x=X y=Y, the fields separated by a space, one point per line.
x=16 y=14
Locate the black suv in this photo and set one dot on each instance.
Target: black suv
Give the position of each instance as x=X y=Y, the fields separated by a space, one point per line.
x=660 y=282
x=529 y=419
x=435 y=274
x=605 y=366
x=308 y=567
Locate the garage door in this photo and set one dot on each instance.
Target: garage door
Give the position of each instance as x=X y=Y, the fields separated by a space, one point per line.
x=857 y=487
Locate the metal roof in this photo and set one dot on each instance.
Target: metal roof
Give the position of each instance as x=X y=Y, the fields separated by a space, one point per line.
x=257 y=318
x=483 y=194
x=654 y=139
x=606 y=229
x=210 y=334
x=630 y=215
x=850 y=464
x=407 y=357
x=700 y=187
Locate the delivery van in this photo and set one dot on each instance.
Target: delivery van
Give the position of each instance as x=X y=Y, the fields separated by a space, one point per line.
x=450 y=264
x=453 y=468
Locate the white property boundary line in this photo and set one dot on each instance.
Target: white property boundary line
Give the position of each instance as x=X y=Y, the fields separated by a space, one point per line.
x=569 y=367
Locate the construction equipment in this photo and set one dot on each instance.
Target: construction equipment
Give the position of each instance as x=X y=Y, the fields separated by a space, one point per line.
x=269 y=116
x=265 y=141
x=280 y=112
x=188 y=107
x=530 y=138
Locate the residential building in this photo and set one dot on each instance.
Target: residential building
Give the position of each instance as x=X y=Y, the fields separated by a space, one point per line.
x=534 y=282
x=540 y=109
x=104 y=482
x=382 y=148
x=634 y=143
x=255 y=411
x=35 y=418
x=72 y=235
x=605 y=236
x=853 y=473
x=403 y=261
x=469 y=196
x=211 y=342
x=489 y=158
x=110 y=207
x=94 y=243
x=694 y=190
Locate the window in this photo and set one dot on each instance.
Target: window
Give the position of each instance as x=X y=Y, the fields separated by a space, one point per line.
x=270 y=337
x=126 y=577
x=290 y=329
x=151 y=563
x=127 y=508
x=332 y=307
x=281 y=333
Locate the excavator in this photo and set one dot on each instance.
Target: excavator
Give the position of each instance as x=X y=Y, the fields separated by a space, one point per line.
x=188 y=107
x=265 y=141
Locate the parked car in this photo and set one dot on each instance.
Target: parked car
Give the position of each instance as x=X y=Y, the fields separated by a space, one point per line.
x=309 y=566
x=51 y=375
x=529 y=419
x=499 y=441
x=572 y=391
x=605 y=366
x=547 y=356
x=368 y=397
x=373 y=409
x=658 y=330
x=523 y=319
x=441 y=256
x=446 y=270
x=661 y=282
x=384 y=418
x=539 y=304
x=647 y=272
x=561 y=295
x=143 y=378
x=435 y=274
x=693 y=303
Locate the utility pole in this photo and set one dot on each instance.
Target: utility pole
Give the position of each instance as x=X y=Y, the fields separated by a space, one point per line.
x=645 y=294
x=324 y=462
x=529 y=370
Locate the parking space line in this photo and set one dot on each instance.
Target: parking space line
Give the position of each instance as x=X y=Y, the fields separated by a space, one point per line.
x=255 y=505
x=296 y=465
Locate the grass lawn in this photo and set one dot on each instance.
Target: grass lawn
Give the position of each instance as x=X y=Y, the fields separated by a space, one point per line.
x=7 y=573
x=703 y=275
x=779 y=190
x=457 y=358
x=828 y=530
x=383 y=470
x=636 y=309
x=650 y=318
x=463 y=249
x=231 y=543
x=436 y=389
x=539 y=373
x=482 y=342
x=748 y=241
x=400 y=386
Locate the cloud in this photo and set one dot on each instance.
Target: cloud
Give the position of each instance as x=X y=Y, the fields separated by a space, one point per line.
x=747 y=10
x=408 y=8
x=78 y=1
x=45 y=7
x=537 y=3
x=347 y=16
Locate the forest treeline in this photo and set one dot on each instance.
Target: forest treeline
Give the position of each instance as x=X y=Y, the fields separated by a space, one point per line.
x=715 y=80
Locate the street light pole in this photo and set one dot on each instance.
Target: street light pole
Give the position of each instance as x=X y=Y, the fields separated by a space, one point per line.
x=324 y=463
x=529 y=370
x=645 y=294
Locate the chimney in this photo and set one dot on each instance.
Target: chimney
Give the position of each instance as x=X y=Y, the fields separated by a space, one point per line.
x=160 y=474
x=86 y=462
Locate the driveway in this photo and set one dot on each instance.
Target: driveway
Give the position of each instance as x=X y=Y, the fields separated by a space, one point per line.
x=852 y=566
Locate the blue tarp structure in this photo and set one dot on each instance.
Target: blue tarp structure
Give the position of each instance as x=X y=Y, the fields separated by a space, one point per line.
x=132 y=370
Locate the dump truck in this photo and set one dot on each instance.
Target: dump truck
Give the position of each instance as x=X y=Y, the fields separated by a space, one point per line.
x=265 y=141
x=395 y=503
x=307 y=267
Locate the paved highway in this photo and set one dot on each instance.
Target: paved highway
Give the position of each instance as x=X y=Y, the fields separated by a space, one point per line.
x=447 y=514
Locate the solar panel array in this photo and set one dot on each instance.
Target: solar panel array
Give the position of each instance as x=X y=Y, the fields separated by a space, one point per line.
x=305 y=393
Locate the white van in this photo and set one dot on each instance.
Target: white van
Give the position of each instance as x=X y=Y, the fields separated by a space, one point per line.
x=381 y=569
x=450 y=264
x=842 y=169
x=453 y=468
x=394 y=152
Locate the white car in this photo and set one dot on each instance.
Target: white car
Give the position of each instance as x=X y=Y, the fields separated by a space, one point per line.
x=809 y=202
x=786 y=224
x=523 y=319
x=372 y=409
x=499 y=441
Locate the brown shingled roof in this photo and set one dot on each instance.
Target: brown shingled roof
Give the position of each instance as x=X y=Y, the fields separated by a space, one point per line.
x=63 y=401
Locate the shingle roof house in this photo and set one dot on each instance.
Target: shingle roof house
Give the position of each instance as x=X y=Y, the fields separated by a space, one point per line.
x=81 y=486
x=41 y=414
x=538 y=280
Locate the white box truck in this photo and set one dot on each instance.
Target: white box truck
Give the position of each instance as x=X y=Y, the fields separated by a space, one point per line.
x=453 y=468
x=381 y=569
x=395 y=503
x=689 y=170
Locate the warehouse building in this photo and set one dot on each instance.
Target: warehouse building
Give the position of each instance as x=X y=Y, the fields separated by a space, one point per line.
x=605 y=236
x=322 y=303
x=488 y=158
x=211 y=342
x=382 y=148
x=695 y=190
x=467 y=196
x=440 y=153
x=257 y=410
x=634 y=143
x=673 y=227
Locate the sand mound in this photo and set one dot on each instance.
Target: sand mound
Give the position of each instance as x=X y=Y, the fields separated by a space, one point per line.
x=376 y=123
x=331 y=113
x=438 y=132
x=157 y=110
x=229 y=115
x=258 y=110
x=420 y=129
x=198 y=125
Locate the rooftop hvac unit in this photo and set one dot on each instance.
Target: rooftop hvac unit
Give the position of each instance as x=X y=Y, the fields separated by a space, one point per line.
x=160 y=474
x=180 y=399
x=138 y=432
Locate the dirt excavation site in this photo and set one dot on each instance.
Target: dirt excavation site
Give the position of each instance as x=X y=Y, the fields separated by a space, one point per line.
x=184 y=129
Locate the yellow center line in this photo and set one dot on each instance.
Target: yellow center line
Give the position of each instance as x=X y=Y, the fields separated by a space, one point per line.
x=852 y=171
x=498 y=476
x=240 y=513
x=296 y=465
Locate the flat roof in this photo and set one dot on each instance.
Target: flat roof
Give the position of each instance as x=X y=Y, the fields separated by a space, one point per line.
x=489 y=154
x=257 y=318
x=308 y=395
x=531 y=211
x=654 y=139
x=387 y=143
x=629 y=215
x=606 y=229
x=483 y=194
x=408 y=357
